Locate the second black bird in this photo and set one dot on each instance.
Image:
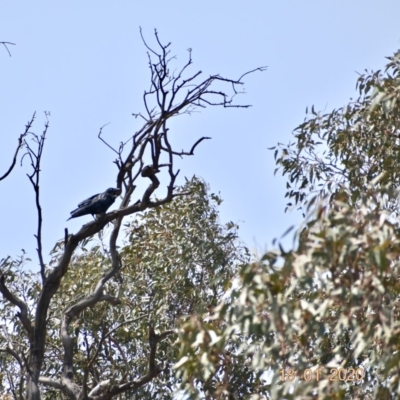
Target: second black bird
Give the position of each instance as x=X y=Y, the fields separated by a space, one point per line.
x=97 y=204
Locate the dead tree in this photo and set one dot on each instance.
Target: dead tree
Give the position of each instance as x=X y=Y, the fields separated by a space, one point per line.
x=145 y=155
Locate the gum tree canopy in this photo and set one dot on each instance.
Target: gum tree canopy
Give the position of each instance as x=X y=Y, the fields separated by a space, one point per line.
x=99 y=320
x=321 y=321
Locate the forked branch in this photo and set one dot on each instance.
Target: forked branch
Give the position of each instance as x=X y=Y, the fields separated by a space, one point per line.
x=35 y=156
x=6 y=44
x=19 y=146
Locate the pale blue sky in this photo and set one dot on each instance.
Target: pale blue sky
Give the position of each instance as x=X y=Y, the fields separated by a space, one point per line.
x=85 y=63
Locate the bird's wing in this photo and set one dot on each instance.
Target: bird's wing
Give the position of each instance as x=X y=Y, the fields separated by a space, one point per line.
x=101 y=203
x=97 y=204
x=87 y=201
x=88 y=206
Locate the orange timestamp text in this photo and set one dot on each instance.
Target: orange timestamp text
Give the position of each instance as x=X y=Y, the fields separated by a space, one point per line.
x=333 y=374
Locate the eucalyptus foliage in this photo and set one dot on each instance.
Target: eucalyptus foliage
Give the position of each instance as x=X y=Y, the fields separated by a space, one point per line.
x=178 y=260
x=341 y=152
x=322 y=320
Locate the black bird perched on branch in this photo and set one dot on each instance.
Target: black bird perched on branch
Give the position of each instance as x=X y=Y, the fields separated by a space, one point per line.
x=97 y=204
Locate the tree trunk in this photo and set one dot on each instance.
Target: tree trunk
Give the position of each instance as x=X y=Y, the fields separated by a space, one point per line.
x=35 y=360
x=32 y=387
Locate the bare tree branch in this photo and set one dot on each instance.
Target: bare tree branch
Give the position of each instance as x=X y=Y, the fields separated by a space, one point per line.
x=12 y=352
x=260 y=69
x=23 y=314
x=55 y=384
x=69 y=315
x=5 y=45
x=186 y=153
x=20 y=144
x=99 y=136
x=36 y=158
x=100 y=388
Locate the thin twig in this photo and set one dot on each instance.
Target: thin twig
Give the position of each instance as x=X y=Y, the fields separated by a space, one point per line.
x=99 y=136
x=20 y=144
x=5 y=45
x=34 y=177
